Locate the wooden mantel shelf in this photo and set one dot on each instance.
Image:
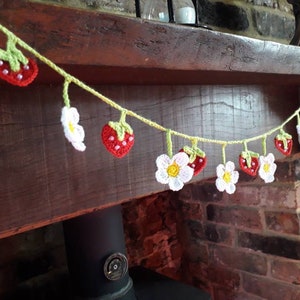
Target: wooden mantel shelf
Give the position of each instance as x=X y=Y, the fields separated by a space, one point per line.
x=107 y=48
x=174 y=75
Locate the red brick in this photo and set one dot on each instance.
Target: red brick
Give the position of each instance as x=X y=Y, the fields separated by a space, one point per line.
x=169 y=220
x=130 y=212
x=221 y=293
x=269 y=289
x=219 y=233
x=224 y=277
x=286 y=270
x=246 y=195
x=148 y=247
x=196 y=273
x=193 y=230
x=202 y=191
x=196 y=252
x=133 y=231
x=190 y=210
x=151 y=224
x=278 y=196
x=176 y=251
x=154 y=261
x=284 y=222
x=285 y=170
x=274 y=245
x=246 y=296
x=185 y=194
x=235 y=215
x=241 y=260
x=288 y=169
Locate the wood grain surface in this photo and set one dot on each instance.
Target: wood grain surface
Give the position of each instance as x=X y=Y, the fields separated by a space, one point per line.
x=107 y=48
x=44 y=179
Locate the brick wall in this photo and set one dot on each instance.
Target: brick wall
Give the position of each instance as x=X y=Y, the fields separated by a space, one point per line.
x=150 y=226
x=262 y=19
x=241 y=246
x=246 y=245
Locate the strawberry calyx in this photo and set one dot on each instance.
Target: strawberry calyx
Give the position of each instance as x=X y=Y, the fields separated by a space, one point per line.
x=197 y=158
x=193 y=152
x=121 y=127
x=248 y=155
x=284 y=138
x=13 y=56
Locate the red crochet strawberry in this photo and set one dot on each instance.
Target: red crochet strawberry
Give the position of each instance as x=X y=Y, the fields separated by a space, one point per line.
x=15 y=68
x=249 y=162
x=118 y=138
x=283 y=142
x=22 y=77
x=198 y=159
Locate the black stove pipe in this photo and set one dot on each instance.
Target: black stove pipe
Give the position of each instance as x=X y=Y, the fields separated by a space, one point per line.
x=95 y=249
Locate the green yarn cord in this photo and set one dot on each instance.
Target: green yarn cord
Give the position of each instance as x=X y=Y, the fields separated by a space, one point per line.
x=66 y=93
x=15 y=57
x=169 y=143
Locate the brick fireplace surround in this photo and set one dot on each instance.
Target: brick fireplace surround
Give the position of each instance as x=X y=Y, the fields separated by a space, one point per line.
x=245 y=246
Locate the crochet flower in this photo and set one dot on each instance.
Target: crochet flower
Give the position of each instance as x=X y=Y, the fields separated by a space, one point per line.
x=267 y=168
x=73 y=132
x=173 y=171
x=227 y=177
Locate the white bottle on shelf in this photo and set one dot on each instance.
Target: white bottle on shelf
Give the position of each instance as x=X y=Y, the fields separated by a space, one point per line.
x=184 y=11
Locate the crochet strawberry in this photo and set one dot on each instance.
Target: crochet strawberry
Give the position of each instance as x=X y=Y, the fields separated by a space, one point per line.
x=15 y=68
x=249 y=162
x=24 y=76
x=118 y=138
x=198 y=159
x=283 y=142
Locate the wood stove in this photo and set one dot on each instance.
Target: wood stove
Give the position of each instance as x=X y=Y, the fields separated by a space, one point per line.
x=98 y=266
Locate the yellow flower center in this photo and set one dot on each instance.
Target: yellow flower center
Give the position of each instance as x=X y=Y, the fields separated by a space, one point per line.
x=173 y=170
x=71 y=127
x=227 y=177
x=267 y=168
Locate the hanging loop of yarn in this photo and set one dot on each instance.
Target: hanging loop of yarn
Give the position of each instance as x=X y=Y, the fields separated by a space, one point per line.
x=123 y=122
x=66 y=97
x=264 y=145
x=245 y=146
x=224 y=153
x=169 y=143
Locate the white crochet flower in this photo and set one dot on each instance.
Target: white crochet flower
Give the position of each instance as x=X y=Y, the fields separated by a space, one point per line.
x=267 y=167
x=73 y=132
x=173 y=171
x=227 y=177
